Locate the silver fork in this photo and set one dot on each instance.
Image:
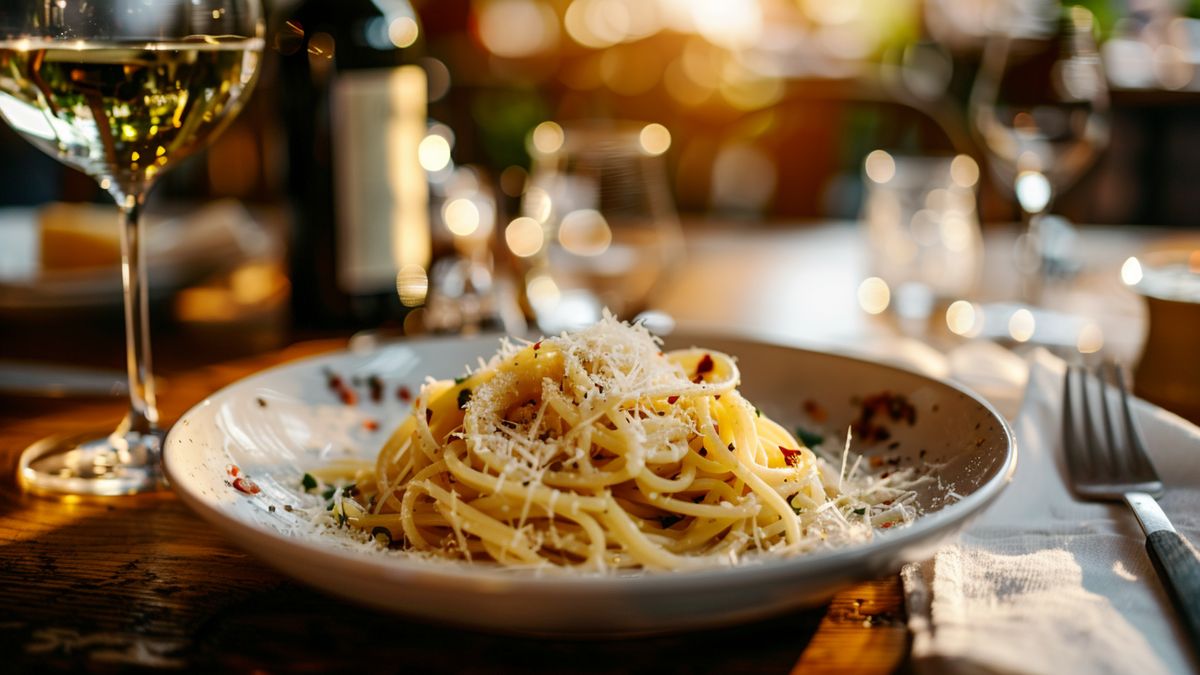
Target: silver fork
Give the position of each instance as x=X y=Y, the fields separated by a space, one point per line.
x=1108 y=463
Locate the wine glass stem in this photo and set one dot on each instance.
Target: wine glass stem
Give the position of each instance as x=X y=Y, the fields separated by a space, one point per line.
x=1031 y=263
x=143 y=414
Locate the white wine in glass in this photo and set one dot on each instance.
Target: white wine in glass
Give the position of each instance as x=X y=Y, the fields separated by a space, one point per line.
x=122 y=90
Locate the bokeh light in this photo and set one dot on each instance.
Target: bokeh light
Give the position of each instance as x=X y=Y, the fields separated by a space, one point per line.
x=1131 y=271
x=517 y=28
x=598 y=23
x=733 y=24
x=437 y=74
x=880 y=166
x=1033 y=191
x=874 y=296
x=961 y=317
x=833 y=13
x=585 y=233
x=524 y=236
x=964 y=171
x=1021 y=325
x=412 y=284
x=548 y=137
x=542 y=292
x=461 y=216
x=537 y=204
x=1091 y=338
x=403 y=31
x=434 y=153
x=655 y=139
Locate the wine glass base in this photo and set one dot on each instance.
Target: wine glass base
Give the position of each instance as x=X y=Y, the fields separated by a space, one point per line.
x=93 y=464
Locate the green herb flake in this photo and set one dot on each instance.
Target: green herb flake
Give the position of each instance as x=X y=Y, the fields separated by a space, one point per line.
x=464 y=397
x=461 y=379
x=809 y=438
x=308 y=482
x=382 y=535
x=860 y=511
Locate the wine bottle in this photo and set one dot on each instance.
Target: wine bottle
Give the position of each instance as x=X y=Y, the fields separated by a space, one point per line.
x=354 y=102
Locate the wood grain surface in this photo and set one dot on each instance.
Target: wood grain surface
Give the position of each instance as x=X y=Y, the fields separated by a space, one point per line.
x=141 y=583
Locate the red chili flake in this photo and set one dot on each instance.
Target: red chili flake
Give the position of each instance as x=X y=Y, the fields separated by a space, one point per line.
x=403 y=393
x=371 y=425
x=815 y=411
x=875 y=462
x=428 y=415
x=347 y=395
x=706 y=365
x=246 y=486
x=333 y=380
x=887 y=525
x=790 y=455
x=672 y=399
x=537 y=345
x=233 y=470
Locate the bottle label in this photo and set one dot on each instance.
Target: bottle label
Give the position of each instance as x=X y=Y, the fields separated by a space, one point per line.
x=381 y=191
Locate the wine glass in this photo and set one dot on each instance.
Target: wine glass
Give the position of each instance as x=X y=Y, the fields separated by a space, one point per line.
x=598 y=225
x=1039 y=106
x=121 y=90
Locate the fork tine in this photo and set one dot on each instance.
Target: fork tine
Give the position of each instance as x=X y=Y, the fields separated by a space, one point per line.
x=1073 y=445
x=1141 y=465
x=1117 y=460
x=1095 y=451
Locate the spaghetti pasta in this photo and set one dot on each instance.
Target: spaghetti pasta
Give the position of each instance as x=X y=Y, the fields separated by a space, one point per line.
x=597 y=450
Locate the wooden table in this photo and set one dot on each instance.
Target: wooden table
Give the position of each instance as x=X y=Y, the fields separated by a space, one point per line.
x=102 y=584
x=140 y=581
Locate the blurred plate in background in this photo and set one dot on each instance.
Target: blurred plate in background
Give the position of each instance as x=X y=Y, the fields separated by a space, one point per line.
x=67 y=256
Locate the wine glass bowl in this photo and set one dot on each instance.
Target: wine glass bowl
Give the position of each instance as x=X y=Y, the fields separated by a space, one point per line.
x=122 y=90
x=599 y=192
x=1039 y=107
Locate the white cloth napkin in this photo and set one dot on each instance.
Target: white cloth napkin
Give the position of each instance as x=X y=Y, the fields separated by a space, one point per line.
x=1043 y=583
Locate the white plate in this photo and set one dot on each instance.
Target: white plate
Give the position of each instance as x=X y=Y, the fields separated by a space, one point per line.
x=278 y=423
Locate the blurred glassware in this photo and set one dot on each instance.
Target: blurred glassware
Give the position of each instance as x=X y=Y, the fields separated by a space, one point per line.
x=1154 y=47
x=922 y=233
x=1040 y=108
x=122 y=91
x=464 y=294
x=598 y=227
